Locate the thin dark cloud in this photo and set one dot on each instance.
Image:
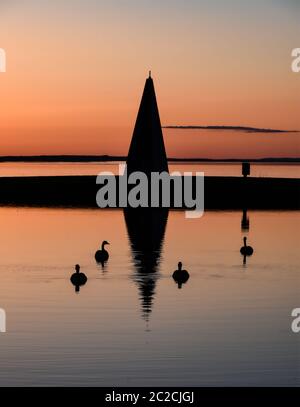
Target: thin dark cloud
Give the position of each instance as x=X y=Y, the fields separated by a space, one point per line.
x=245 y=129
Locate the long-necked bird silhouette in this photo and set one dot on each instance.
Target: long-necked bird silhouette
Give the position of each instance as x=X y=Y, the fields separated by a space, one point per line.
x=78 y=279
x=102 y=255
x=246 y=250
x=180 y=276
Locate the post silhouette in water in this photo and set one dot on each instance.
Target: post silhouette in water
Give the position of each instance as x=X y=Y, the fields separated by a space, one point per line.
x=147 y=150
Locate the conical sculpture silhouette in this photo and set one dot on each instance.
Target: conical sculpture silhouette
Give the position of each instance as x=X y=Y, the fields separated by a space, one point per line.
x=147 y=150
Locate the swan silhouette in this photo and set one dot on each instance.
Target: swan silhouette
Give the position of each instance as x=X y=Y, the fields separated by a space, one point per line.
x=180 y=276
x=78 y=279
x=246 y=250
x=102 y=255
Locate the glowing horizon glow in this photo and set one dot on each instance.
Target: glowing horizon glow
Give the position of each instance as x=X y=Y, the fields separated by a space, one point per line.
x=75 y=77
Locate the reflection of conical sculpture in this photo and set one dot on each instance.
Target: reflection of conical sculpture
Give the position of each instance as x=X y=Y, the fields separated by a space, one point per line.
x=147 y=150
x=146 y=229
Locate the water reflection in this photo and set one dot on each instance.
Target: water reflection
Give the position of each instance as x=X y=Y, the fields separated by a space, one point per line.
x=102 y=266
x=245 y=223
x=146 y=229
x=100 y=338
x=245 y=226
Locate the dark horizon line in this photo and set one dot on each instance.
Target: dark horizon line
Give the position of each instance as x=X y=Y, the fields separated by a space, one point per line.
x=107 y=158
x=235 y=128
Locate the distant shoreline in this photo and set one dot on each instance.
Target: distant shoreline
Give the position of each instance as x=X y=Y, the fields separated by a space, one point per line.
x=110 y=158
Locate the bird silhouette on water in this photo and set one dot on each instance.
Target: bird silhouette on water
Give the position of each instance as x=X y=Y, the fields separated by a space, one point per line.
x=78 y=279
x=180 y=276
x=246 y=250
x=102 y=255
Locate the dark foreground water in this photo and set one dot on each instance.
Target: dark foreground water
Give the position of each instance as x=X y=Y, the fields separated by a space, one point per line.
x=230 y=324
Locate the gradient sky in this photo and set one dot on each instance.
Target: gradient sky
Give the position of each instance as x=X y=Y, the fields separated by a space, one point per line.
x=76 y=70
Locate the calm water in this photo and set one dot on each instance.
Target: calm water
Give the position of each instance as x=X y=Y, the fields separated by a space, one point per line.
x=130 y=324
x=219 y=169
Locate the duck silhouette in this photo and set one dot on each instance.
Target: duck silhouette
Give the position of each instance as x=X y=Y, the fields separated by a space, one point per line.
x=180 y=276
x=78 y=279
x=102 y=255
x=246 y=250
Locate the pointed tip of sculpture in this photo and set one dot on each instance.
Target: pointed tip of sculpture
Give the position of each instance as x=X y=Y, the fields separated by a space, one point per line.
x=147 y=150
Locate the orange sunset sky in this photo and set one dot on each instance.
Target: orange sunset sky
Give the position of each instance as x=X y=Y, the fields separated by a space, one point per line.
x=76 y=71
